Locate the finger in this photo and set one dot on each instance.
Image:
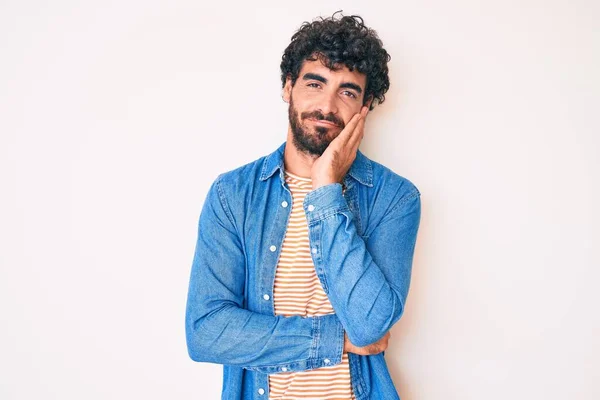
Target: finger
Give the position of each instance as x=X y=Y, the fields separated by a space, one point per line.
x=346 y=133
x=360 y=124
x=364 y=111
x=357 y=135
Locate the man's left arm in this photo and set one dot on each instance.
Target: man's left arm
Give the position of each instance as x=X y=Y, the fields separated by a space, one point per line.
x=367 y=282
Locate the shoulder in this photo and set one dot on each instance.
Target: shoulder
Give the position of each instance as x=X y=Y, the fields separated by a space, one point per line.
x=236 y=179
x=392 y=185
x=247 y=176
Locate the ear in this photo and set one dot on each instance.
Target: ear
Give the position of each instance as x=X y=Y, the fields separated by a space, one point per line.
x=287 y=90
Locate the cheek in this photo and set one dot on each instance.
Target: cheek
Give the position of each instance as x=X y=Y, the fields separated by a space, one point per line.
x=302 y=102
x=347 y=110
x=348 y=114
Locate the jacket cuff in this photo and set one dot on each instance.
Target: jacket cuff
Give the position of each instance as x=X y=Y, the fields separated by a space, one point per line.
x=328 y=341
x=326 y=348
x=324 y=202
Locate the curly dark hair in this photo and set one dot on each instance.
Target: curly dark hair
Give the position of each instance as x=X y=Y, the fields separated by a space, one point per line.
x=335 y=42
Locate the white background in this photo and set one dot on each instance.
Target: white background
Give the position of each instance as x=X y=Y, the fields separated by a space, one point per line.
x=115 y=117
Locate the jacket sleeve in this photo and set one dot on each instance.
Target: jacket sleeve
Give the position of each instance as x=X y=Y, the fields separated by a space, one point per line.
x=367 y=281
x=218 y=327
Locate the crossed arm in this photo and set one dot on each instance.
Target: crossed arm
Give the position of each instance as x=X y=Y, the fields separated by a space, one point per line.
x=366 y=281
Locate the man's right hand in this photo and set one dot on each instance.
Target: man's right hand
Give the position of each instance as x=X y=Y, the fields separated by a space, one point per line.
x=373 y=348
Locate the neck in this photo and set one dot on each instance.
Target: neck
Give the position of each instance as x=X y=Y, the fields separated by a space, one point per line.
x=296 y=161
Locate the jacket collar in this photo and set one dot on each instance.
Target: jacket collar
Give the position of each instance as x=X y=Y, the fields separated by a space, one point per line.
x=361 y=169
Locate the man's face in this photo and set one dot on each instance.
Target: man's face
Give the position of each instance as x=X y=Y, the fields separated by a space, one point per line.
x=321 y=103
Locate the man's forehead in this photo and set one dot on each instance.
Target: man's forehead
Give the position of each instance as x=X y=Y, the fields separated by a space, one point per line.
x=341 y=71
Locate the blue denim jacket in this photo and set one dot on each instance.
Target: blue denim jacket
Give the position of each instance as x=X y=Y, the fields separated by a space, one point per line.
x=362 y=241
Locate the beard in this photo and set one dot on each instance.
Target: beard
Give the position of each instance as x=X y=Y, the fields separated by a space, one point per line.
x=315 y=143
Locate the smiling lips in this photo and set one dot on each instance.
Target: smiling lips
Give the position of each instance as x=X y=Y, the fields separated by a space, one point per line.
x=323 y=122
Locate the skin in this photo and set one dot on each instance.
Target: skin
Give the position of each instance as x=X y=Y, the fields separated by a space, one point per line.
x=340 y=94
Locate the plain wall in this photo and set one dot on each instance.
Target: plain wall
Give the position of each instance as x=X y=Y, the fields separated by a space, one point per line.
x=116 y=116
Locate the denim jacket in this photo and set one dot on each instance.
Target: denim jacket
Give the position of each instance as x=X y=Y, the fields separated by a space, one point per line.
x=362 y=240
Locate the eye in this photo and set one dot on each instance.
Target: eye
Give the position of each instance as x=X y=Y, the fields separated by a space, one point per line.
x=349 y=94
x=313 y=84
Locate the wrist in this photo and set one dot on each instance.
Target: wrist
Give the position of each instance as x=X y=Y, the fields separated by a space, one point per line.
x=347 y=344
x=317 y=183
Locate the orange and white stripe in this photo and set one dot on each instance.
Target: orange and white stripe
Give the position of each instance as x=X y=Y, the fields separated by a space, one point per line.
x=298 y=291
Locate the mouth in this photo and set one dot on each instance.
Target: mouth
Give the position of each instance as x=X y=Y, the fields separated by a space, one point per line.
x=324 y=122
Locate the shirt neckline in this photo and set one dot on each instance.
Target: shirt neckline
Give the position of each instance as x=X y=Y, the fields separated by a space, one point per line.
x=300 y=178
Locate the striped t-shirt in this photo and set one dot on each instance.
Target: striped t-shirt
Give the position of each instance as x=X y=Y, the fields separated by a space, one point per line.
x=298 y=291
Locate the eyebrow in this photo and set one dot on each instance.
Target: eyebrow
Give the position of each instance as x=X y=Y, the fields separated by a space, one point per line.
x=322 y=79
x=351 y=85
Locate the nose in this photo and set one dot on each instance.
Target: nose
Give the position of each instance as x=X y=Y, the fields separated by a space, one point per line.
x=328 y=104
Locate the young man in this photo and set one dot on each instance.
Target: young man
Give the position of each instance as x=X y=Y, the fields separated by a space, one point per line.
x=304 y=256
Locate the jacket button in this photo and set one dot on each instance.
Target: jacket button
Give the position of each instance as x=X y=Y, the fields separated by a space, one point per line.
x=284 y=204
x=273 y=248
x=311 y=207
x=266 y=297
x=283 y=369
x=261 y=391
x=326 y=361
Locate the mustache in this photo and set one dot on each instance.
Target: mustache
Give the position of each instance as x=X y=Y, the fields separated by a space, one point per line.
x=319 y=116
